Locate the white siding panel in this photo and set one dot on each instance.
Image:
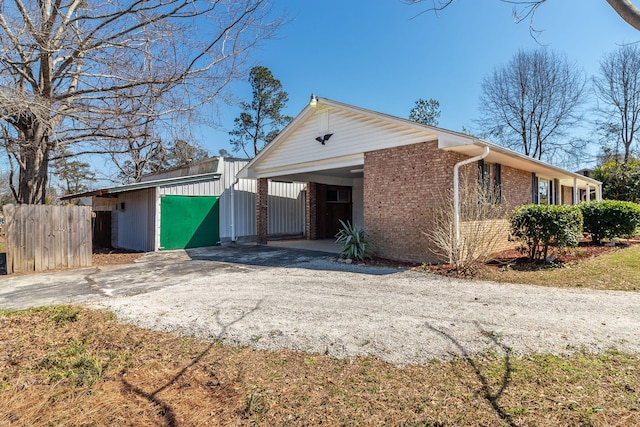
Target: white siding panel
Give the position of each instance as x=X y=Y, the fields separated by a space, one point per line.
x=286 y=208
x=135 y=223
x=352 y=134
x=202 y=188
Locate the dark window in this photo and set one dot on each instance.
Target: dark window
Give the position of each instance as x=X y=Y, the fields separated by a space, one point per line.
x=489 y=177
x=338 y=196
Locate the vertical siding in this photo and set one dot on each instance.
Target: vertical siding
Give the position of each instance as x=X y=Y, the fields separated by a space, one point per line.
x=135 y=224
x=286 y=206
x=138 y=226
x=244 y=202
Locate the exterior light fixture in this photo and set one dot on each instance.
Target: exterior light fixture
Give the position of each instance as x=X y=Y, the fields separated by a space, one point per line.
x=323 y=139
x=314 y=101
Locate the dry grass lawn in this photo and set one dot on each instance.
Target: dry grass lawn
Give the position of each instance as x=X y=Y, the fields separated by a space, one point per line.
x=73 y=366
x=618 y=269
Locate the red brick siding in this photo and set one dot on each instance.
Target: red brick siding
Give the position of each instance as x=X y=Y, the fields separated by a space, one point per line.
x=516 y=187
x=567 y=195
x=403 y=186
x=310 y=211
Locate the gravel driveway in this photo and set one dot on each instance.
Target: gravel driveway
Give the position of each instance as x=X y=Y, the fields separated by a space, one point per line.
x=400 y=316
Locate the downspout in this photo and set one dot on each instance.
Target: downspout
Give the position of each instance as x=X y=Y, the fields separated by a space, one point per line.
x=233 y=210
x=456 y=192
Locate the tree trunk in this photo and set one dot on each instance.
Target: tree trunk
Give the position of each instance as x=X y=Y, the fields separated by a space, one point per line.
x=34 y=166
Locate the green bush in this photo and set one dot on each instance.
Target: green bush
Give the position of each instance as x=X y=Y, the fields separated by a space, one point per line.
x=353 y=242
x=540 y=226
x=608 y=219
x=620 y=181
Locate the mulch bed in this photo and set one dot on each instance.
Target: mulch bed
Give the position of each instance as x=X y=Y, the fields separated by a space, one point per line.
x=110 y=256
x=515 y=258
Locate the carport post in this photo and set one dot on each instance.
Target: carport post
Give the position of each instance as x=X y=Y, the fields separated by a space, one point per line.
x=262 y=210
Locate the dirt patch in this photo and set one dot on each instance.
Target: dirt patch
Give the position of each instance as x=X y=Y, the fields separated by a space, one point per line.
x=109 y=256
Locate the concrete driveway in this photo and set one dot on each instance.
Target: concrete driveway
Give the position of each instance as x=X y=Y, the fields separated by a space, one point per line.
x=152 y=272
x=277 y=298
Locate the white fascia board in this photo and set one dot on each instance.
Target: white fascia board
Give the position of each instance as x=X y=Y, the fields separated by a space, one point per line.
x=545 y=170
x=316 y=166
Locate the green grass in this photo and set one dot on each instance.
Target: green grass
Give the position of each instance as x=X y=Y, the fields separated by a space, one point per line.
x=617 y=270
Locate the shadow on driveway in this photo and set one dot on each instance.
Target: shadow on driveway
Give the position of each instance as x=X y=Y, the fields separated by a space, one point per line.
x=266 y=256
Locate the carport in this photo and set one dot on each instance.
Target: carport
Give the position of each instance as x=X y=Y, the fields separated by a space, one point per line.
x=324 y=147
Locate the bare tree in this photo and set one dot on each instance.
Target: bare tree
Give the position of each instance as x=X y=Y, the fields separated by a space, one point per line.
x=618 y=88
x=526 y=9
x=530 y=102
x=86 y=75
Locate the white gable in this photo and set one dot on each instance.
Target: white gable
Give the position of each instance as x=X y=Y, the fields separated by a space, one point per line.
x=296 y=149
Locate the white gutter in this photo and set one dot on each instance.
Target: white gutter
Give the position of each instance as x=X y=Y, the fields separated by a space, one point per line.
x=233 y=210
x=456 y=192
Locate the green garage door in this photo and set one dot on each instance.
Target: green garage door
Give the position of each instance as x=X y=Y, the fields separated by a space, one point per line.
x=189 y=221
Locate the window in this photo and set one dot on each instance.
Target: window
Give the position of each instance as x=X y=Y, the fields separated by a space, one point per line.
x=490 y=181
x=544 y=195
x=338 y=196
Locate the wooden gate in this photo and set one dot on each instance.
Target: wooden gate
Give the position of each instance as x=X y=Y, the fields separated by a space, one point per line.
x=44 y=237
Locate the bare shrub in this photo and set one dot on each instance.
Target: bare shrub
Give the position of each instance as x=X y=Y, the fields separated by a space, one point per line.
x=484 y=227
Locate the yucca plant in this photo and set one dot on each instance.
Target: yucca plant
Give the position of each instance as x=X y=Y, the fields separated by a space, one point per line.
x=353 y=242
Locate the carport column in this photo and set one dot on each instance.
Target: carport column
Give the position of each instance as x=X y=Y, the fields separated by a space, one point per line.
x=311 y=211
x=262 y=210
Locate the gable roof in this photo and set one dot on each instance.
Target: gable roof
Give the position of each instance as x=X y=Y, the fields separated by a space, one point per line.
x=356 y=130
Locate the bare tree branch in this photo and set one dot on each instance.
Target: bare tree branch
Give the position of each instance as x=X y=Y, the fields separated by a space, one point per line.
x=627 y=11
x=525 y=9
x=101 y=74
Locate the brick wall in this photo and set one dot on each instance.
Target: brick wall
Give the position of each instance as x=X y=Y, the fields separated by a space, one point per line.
x=404 y=185
x=516 y=187
x=262 y=210
x=567 y=195
x=311 y=211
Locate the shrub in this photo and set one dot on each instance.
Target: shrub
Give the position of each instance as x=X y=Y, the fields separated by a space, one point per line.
x=608 y=219
x=539 y=226
x=620 y=181
x=482 y=221
x=353 y=242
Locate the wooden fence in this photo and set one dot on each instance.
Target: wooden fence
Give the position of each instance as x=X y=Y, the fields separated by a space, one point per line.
x=45 y=237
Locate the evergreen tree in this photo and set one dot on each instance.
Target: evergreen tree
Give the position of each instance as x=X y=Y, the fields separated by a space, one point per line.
x=262 y=119
x=425 y=112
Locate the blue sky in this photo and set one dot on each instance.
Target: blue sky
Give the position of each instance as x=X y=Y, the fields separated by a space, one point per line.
x=379 y=55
